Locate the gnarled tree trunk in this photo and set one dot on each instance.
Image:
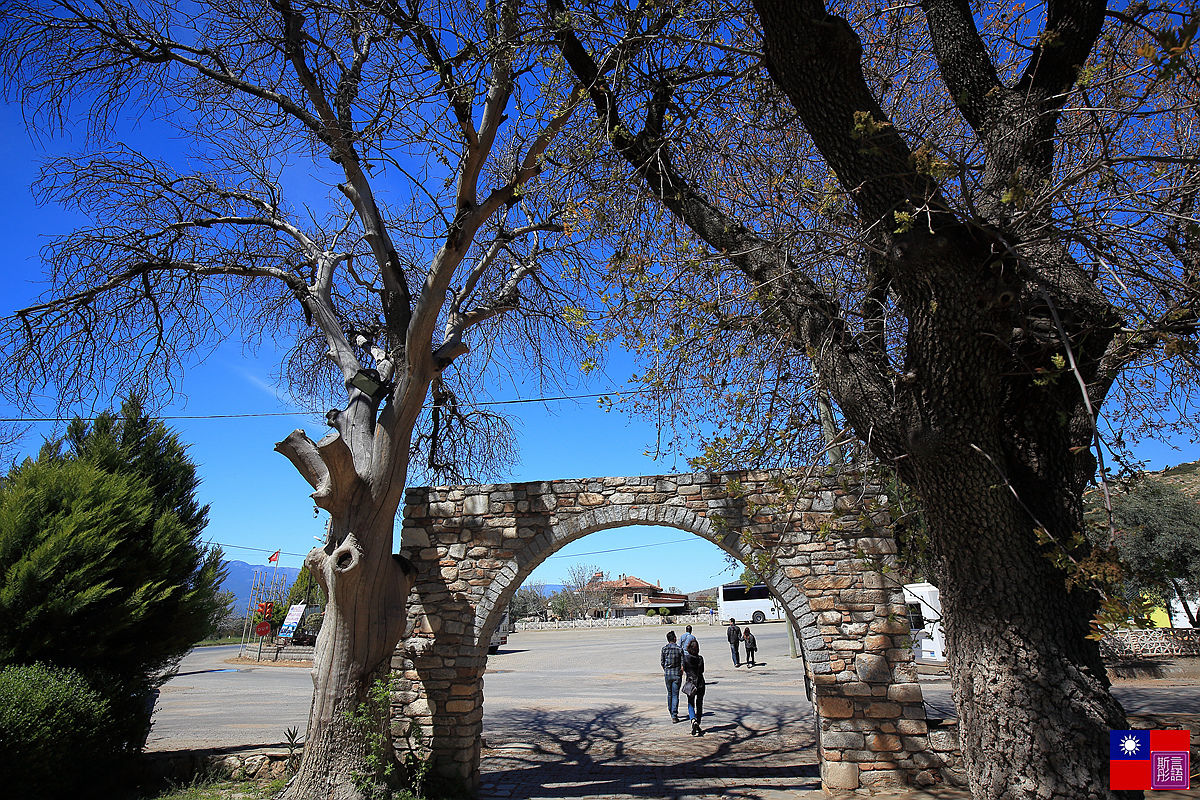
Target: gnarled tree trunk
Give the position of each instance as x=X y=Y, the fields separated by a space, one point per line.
x=1030 y=688
x=348 y=746
x=364 y=621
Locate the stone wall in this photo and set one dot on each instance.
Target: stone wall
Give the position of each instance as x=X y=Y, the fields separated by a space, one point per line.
x=473 y=546
x=184 y=766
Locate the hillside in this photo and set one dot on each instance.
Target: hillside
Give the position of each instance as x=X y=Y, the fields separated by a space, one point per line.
x=240 y=580
x=1185 y=476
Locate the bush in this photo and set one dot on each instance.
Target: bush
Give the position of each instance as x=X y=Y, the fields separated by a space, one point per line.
x=102 y=562
x=650 y=612
x=54 y=733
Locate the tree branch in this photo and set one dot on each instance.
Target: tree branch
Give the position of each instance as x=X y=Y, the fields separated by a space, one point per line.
x=963 y=60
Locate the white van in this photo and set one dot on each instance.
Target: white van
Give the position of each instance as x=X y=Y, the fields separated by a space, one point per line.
x=500 y=635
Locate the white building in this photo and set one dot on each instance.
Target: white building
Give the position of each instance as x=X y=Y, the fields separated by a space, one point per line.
x=925 y=619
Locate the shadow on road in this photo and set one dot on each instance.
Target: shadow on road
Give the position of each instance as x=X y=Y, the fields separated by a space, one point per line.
x=748 y=752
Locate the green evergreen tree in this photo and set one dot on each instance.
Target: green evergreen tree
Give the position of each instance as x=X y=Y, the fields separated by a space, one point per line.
x=1158 y=538
x=101 y=564
x=305 y=589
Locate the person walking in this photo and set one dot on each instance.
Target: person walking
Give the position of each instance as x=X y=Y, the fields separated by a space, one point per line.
x=751 y=646
x=734 y=634
x=687 y=637
x=672 y=663
x=693 y=671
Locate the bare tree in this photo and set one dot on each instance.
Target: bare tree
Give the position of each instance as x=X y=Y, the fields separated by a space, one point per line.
x=587 y=591
x=977 y=223
x=10 y=438
x=366 y=188
x=530 y=601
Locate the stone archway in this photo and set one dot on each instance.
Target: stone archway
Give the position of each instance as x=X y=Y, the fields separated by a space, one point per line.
x=474 y=545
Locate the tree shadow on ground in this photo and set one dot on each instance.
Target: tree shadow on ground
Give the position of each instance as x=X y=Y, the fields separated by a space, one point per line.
x=749 y=752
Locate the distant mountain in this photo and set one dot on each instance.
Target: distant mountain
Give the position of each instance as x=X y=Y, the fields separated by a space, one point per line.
x=240 y=581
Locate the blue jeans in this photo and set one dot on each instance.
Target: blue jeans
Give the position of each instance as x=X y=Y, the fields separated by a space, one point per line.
x=737 y=661
x=696 y=705
x=673 y=684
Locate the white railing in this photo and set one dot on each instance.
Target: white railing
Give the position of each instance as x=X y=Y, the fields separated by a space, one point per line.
x=620 y=622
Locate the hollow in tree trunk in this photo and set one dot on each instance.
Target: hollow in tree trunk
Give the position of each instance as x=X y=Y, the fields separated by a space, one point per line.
x=348 y=746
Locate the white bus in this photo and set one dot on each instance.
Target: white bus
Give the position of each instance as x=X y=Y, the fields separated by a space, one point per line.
x=747 y=603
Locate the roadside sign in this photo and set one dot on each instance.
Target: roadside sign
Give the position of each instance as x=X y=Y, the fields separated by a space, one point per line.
x=263 y=628
x=294 y=615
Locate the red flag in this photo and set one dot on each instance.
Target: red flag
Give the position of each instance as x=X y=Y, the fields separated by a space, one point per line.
x=274 y=557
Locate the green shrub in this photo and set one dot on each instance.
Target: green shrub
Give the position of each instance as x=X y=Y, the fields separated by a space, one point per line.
x=102 y=565
x=55 y=733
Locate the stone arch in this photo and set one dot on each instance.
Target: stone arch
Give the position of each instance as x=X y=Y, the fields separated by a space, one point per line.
x=474 y=545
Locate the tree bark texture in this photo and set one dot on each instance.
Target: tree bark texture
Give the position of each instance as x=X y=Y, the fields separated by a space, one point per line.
x=364 y=620
x=1009 y=349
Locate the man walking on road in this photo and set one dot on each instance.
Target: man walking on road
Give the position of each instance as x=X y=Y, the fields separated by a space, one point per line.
x=672 y=662
x=734 y=634
x=687 y=637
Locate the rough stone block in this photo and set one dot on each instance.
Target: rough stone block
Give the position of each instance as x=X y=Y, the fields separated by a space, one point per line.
x=835 y=707
x=905 y=692
x=943 y=741
x=912 y=726
x=883 y=778
x=442 y=509
x=883 y=710
x=872 y=668
x=883 y=742
x=839 y=775
x=476 y=504
x=843 y=740
x=589 y=499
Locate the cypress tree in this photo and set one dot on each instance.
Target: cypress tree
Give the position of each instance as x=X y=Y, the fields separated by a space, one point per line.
x=101 y=564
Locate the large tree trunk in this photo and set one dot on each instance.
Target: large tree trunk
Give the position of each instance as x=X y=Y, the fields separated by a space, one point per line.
x=1030 y=688
x=348 y=746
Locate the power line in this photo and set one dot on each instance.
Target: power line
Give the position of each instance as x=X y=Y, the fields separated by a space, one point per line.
x=256 y=549
x=513 y=401
x=618 y=549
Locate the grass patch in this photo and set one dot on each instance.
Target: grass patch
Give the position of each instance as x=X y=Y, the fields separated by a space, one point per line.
x=224 y=790
x=215 y=642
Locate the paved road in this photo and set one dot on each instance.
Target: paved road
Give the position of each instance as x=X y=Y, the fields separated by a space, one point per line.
x=555 y=686
x=606 y=684
x=210 y=703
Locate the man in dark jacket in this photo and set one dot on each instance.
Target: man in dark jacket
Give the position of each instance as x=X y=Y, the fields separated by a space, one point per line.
x=734 y=634
x=672 y=660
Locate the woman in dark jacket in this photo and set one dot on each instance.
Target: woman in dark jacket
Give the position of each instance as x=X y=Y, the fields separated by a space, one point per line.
x=693 y=670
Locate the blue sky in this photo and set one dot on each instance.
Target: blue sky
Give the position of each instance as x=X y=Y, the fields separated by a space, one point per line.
x=258 y=501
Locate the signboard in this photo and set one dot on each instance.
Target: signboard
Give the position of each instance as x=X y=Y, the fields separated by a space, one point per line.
x=294 y=615
x=263 y=628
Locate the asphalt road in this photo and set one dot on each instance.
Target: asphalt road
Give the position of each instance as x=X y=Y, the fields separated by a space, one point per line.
x=555 y=685
x=210 y=703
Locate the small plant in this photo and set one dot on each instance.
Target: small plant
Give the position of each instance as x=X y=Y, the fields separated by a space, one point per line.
x=382 y=781
x=292 y=737
x=370 y=718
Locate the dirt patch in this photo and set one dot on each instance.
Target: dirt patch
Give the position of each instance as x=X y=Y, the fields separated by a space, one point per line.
x=281 y=663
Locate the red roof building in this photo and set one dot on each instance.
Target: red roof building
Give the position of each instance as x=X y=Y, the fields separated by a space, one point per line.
x=632 y=596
